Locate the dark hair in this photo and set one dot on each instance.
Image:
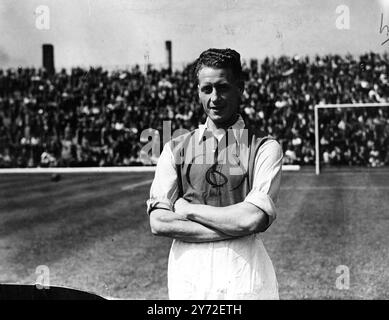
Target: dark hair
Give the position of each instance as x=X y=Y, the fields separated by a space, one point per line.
x=220 y=58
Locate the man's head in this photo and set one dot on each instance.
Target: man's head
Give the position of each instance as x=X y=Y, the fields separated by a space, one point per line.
x=219 y=73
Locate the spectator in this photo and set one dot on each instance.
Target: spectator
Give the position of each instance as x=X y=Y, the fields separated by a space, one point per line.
x=95 y=117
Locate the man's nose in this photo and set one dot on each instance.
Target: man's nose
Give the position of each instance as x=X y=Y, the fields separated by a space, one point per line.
x=215 y=95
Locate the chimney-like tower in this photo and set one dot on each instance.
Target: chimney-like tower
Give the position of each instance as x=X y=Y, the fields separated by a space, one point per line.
x=48 y=57
x=168 y=46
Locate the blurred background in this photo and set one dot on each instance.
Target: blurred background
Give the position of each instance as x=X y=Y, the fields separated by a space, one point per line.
x=115 y=69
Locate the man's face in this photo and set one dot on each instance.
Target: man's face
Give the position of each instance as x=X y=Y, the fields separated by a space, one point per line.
x=219 y=95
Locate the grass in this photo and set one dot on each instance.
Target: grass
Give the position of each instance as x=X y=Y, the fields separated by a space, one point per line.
x=94 y=236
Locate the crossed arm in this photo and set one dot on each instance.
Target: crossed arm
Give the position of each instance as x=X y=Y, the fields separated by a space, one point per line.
x=203 y=223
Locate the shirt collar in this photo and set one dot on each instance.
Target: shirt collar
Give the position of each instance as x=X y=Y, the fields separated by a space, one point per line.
x=236 y=129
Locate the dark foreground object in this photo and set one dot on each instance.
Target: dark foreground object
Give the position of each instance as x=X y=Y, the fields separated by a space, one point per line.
x=31 y=292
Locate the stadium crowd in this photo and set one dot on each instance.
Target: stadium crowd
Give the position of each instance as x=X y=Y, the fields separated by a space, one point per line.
x=95 y=117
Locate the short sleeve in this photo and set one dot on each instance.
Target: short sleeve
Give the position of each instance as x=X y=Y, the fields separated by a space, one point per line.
x=267 y=178
x=164 y=190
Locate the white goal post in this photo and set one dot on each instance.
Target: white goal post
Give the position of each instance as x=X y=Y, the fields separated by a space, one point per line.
x=335 y=106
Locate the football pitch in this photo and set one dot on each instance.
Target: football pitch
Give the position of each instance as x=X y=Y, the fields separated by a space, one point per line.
x=91 y=231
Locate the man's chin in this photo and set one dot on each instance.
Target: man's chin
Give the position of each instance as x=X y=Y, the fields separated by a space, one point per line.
x=216 y=119
x=220 y=121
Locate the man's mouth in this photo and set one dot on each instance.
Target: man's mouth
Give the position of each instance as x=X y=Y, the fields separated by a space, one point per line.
x=216 y=107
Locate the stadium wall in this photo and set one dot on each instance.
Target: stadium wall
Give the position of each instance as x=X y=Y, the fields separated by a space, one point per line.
x=103 y=169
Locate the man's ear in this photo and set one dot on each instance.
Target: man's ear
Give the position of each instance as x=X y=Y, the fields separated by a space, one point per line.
x=240 y=85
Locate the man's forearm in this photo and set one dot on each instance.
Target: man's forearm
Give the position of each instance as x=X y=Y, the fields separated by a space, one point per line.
x=236 y=220
x=174 y=225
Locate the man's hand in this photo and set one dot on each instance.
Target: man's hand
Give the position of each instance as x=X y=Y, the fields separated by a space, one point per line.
x=183 y=207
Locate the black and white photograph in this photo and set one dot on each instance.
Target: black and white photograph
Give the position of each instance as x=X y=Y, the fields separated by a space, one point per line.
x=194 y=150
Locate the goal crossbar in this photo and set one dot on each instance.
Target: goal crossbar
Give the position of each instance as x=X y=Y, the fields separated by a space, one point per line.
x=335 y=106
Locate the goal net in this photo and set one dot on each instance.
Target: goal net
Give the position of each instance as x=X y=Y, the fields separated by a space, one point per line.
x=351 y=134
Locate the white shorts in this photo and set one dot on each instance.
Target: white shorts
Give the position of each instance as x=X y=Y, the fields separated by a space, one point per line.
x=229 y=269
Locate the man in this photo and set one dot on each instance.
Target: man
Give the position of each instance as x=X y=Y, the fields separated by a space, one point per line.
x=214 y=192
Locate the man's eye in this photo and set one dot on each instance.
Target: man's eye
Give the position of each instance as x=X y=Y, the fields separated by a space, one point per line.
x=223 y=88
x=207 y=89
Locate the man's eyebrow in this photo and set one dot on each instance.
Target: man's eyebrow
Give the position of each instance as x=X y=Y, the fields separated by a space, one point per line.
x=214 y=83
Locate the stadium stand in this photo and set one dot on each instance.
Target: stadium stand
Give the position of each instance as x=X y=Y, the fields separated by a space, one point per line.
x=95 y=117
